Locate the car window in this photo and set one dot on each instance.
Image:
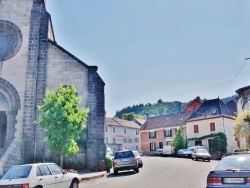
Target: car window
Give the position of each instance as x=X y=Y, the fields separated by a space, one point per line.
x=135 y=153
x=119 y=155
x=43 y=170
x=55 y=169
x=201 y=151
x=17 y=172
x=234 y=163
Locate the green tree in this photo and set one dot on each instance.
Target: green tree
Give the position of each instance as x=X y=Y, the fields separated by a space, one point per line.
x=131 y=116
x=179 y=140
x=62 y=120
x=241 y=127
x=219 y=143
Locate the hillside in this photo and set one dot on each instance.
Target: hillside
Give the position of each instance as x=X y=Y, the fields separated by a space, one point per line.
x=160 y=108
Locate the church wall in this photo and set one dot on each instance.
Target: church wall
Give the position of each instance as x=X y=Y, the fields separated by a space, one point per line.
x=13 y=69
x=63 y=69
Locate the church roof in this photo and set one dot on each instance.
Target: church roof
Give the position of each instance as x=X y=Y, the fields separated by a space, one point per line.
x=211 y=109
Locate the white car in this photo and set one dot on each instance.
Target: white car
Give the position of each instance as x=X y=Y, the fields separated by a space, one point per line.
x=46 y=175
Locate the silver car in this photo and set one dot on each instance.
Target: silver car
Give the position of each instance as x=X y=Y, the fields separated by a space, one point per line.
x=201 y=154
x=125 y=160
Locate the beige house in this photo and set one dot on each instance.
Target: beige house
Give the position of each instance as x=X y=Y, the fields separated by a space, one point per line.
x=212 y=117
x=121 y=134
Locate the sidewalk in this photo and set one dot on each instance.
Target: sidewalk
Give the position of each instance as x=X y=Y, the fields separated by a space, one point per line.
x=85 y=176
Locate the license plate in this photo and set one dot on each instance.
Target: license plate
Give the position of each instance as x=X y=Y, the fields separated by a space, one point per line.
x=233 y=180
x=125 y=160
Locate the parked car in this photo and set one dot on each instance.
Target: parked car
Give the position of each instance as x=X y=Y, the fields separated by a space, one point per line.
x=125 y=160
x=182 y=153
x=39 y=175
x=139 y=159
x=190 y=150
x=201 y=154
x=231 y=171
x=167 y=150
x=158 y=152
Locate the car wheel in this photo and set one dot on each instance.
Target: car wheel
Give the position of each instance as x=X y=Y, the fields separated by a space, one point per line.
x=141 y=165
x=208 y=160
x=115 y=172
x=136 y=170
x=196 y=158
x=74 y=184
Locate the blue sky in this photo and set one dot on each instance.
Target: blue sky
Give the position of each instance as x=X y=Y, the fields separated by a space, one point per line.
x=147 y=50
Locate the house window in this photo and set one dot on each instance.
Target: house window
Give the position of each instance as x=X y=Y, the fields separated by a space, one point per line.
x=152 y=135
x=114 y=140
x=114 y=129
x=130 y=140
x=136 y=139
x=169 y=143
x=167 y=133
x=107 y=140
x=106 y=128
x=160 y=145
x=125 y=140
x=212 y=126
x=136 y=132
x=152 y=146
x=196 y=129
x=125 y=130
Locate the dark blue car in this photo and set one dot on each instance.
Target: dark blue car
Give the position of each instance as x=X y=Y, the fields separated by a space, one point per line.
x=231 y=171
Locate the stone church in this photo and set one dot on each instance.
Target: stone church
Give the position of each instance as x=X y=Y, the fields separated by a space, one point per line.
x=31 y=62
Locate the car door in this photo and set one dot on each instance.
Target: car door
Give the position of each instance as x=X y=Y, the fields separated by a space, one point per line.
x=62 y=179
x=45 y=177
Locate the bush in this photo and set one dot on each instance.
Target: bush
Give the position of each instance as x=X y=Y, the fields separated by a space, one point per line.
x=108 y=163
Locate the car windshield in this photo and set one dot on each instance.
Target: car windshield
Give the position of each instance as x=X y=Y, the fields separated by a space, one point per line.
x=235 y=162
x=201 y=151
x=17 y=172
x=190 y=149
x=126 y=154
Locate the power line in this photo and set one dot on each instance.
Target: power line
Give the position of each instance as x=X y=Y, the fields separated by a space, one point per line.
x=235 y=76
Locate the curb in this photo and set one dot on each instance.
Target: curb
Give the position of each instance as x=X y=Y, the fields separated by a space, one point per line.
x=86 y=177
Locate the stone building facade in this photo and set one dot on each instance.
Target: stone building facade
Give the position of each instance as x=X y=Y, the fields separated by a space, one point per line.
x=32 y=62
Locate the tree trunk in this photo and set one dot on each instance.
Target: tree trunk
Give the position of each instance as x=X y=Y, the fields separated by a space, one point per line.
x=61 y=160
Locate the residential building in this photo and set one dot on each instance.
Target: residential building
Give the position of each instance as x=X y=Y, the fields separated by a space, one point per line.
x=213 y=116
x=159 y=131
x=121 y=134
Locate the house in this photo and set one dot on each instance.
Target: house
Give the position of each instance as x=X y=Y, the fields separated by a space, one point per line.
x=159 y=131
x=213 y=116
x=121 y=134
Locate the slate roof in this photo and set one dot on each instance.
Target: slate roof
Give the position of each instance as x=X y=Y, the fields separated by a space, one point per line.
x=165 y=121
x=240 y=90
x=122 y=123
x=232 y=105
x=210 y=109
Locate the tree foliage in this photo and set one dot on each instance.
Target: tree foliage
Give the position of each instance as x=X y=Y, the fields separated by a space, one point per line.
x=179 y=140
x=131 y=116
x=219 y=143
x=62 y=120
x=159 y=108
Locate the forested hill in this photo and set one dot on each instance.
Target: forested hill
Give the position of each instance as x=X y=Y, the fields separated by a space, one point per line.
x=160 y=108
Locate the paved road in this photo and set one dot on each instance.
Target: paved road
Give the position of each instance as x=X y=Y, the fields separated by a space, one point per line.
x=158 y=172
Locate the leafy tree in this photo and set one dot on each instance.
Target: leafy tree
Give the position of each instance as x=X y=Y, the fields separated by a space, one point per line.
x=219 y=143
x=62 y=120
x=242 y=125
x=131 y=116
x=179 y=140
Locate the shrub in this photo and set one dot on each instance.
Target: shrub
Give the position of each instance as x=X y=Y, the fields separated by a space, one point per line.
x=108 y=162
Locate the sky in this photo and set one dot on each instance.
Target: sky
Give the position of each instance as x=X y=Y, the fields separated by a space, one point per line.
x=146 y=50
